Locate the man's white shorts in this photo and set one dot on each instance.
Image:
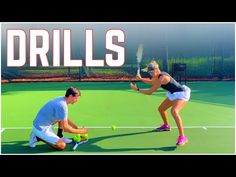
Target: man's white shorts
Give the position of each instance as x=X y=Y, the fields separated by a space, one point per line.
x=47 y=134
x=185 y=95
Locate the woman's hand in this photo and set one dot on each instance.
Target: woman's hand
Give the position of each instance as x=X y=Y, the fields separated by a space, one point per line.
x=134 y=87
x=138 y=76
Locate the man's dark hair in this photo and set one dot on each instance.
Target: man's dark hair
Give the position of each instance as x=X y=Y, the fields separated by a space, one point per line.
x=72 y=91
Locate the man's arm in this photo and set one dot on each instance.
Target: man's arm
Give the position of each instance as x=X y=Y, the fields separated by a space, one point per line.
x=67 y=128
x=72 y=124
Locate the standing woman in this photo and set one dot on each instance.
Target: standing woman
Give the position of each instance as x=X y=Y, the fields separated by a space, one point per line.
x=177 y=97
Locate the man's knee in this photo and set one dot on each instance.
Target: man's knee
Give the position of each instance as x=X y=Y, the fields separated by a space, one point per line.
x=60 y=145
x=161 y=109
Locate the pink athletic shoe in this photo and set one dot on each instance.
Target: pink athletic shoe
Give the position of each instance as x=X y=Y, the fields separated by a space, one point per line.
x=163 y=128
x=182 y=140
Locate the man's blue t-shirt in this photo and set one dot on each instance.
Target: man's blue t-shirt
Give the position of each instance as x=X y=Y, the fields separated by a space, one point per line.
x=52 y=111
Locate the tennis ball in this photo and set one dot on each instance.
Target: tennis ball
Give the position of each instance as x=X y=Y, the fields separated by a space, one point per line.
x=113 y=127
x=77 y=138
x=84 y=136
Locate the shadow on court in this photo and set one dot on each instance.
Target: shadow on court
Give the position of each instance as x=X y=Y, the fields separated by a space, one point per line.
x=21 y=147
x=91 y=146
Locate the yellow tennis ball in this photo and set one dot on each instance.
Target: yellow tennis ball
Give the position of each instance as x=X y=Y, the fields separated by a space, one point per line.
x=77 y=138
x=113 y=127
x=84 y=135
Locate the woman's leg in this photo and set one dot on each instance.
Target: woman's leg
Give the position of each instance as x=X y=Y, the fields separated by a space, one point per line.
x=162 y=109
x=177 y=106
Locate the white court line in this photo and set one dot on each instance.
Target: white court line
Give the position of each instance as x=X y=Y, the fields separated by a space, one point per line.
x=2 y=129
x=128 y=127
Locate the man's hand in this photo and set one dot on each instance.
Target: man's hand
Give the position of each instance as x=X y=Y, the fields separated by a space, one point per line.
x=83 y=130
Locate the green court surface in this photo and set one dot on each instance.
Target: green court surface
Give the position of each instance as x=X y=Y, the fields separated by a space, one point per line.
x=208 y=118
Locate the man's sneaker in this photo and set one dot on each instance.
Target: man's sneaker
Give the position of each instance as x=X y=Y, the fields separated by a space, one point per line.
x=181 y=141
x=66 y=140
x=163 y=128
x=33 y=140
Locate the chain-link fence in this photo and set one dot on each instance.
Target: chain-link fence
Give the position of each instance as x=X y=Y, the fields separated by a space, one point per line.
x=196 y=69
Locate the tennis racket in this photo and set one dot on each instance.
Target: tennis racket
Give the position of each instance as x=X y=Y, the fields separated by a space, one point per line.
x=79 y=143
x=139 y=55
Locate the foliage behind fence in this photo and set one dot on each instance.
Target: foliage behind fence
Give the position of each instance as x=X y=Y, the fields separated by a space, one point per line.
x=198 y=67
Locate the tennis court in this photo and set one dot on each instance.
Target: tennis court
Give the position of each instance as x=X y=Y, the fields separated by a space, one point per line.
x=209 y=118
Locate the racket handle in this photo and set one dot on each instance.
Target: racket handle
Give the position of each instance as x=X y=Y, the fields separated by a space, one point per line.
x=138 y=71
x=75 y=146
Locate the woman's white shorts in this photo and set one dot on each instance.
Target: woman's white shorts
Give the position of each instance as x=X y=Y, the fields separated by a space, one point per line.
x=184 y=95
